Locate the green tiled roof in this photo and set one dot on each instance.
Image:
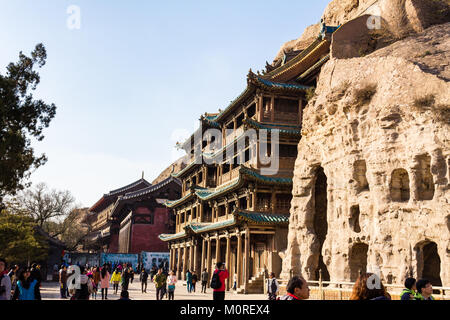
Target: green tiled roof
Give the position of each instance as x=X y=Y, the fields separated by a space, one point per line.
x=202 y=227
x=171 y=204
x=238 y=215
x=261 y=217
x=313 y=68
x=295 y=130
x=267 y=179
x=206 y=194
x=167 y=237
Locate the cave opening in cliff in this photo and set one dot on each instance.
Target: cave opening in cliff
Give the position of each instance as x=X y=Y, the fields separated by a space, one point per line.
x=429 y=262
x=358 y=260
x=424 y=178
x=399 y=185
x=354 y=218
x=320 y=220
x=359 y=175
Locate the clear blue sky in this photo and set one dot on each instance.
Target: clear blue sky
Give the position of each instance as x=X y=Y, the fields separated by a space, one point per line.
x=137 y=75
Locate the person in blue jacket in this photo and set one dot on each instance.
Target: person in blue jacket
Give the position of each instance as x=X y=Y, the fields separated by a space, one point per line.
x=27 y=288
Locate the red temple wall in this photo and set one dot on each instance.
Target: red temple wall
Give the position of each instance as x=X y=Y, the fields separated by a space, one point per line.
x=114 y=243
x=144 y=237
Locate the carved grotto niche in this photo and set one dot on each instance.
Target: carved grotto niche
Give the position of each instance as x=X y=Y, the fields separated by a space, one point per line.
x=399 y=185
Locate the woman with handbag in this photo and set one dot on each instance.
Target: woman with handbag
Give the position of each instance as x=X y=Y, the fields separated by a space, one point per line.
x=171 y=281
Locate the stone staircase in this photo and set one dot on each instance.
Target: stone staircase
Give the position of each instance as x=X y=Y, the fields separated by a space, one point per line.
x=254 y=285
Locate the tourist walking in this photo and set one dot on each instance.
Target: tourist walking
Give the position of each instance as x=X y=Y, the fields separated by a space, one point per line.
x=272 y=287
x=125 y=279
x=204 y=278
x=189 y=281
x=424 y=290
x=218 y=281
x=160 y=281
x=194 y=280
x=171 y=283
x=143 y=277
x=409 y=293
x=26 y=287
x=86 y=287
x=131 y=270
x=152 y=273
x=115 y=280
x=104 y=282
x=63 y=282
x=5 y=281
x=36 y=274
x=234 y=281
x=95 y=280
x=297 y=289
x=361 y=291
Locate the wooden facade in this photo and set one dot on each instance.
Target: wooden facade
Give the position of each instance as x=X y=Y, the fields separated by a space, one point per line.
x=232 y=208
x=129 y=219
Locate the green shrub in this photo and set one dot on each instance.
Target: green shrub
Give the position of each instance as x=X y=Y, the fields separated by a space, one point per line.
x=425 y=102
x=364 y=95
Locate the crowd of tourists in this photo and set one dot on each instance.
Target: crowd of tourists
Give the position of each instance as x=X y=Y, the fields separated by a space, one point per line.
x=364 y=289
x=24 y=284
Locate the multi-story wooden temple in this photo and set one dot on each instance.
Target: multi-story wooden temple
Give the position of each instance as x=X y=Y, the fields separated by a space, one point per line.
x=232 y=208
x=129 y=219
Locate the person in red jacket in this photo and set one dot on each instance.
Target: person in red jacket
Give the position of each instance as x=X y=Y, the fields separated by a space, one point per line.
x=219 y=293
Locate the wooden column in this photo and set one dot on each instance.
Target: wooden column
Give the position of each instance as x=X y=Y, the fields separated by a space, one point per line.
x=179 y=263
x=195 y=264
x=227 y=261
x=171 y=257
x=184 y=261
x=272 y=109
x=208 y=259
x=300 y=111
x=239 y=259
x=227 y=209
x=254 y=194
x=191 y=254
x=218 y=249
x=273 y=201
x=260 y=108
x=203 y=255
x=246 y=259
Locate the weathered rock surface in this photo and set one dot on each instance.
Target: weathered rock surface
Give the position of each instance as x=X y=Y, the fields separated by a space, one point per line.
x=378 y=127
x=175 y=167
x=309 y=35
x=398 y=18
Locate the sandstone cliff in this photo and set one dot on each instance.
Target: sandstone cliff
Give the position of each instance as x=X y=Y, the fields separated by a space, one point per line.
x=173 y=168
x=372 y=177
x=398 y=17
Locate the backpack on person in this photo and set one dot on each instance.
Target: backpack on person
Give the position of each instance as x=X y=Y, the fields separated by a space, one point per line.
x=215 y=281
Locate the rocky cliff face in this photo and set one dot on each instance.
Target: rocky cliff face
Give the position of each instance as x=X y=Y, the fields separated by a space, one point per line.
x=372 y=177
x=175 y=167
x=397 y=17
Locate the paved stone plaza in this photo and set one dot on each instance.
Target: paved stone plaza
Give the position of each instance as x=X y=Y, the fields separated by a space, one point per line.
x=50 y=291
